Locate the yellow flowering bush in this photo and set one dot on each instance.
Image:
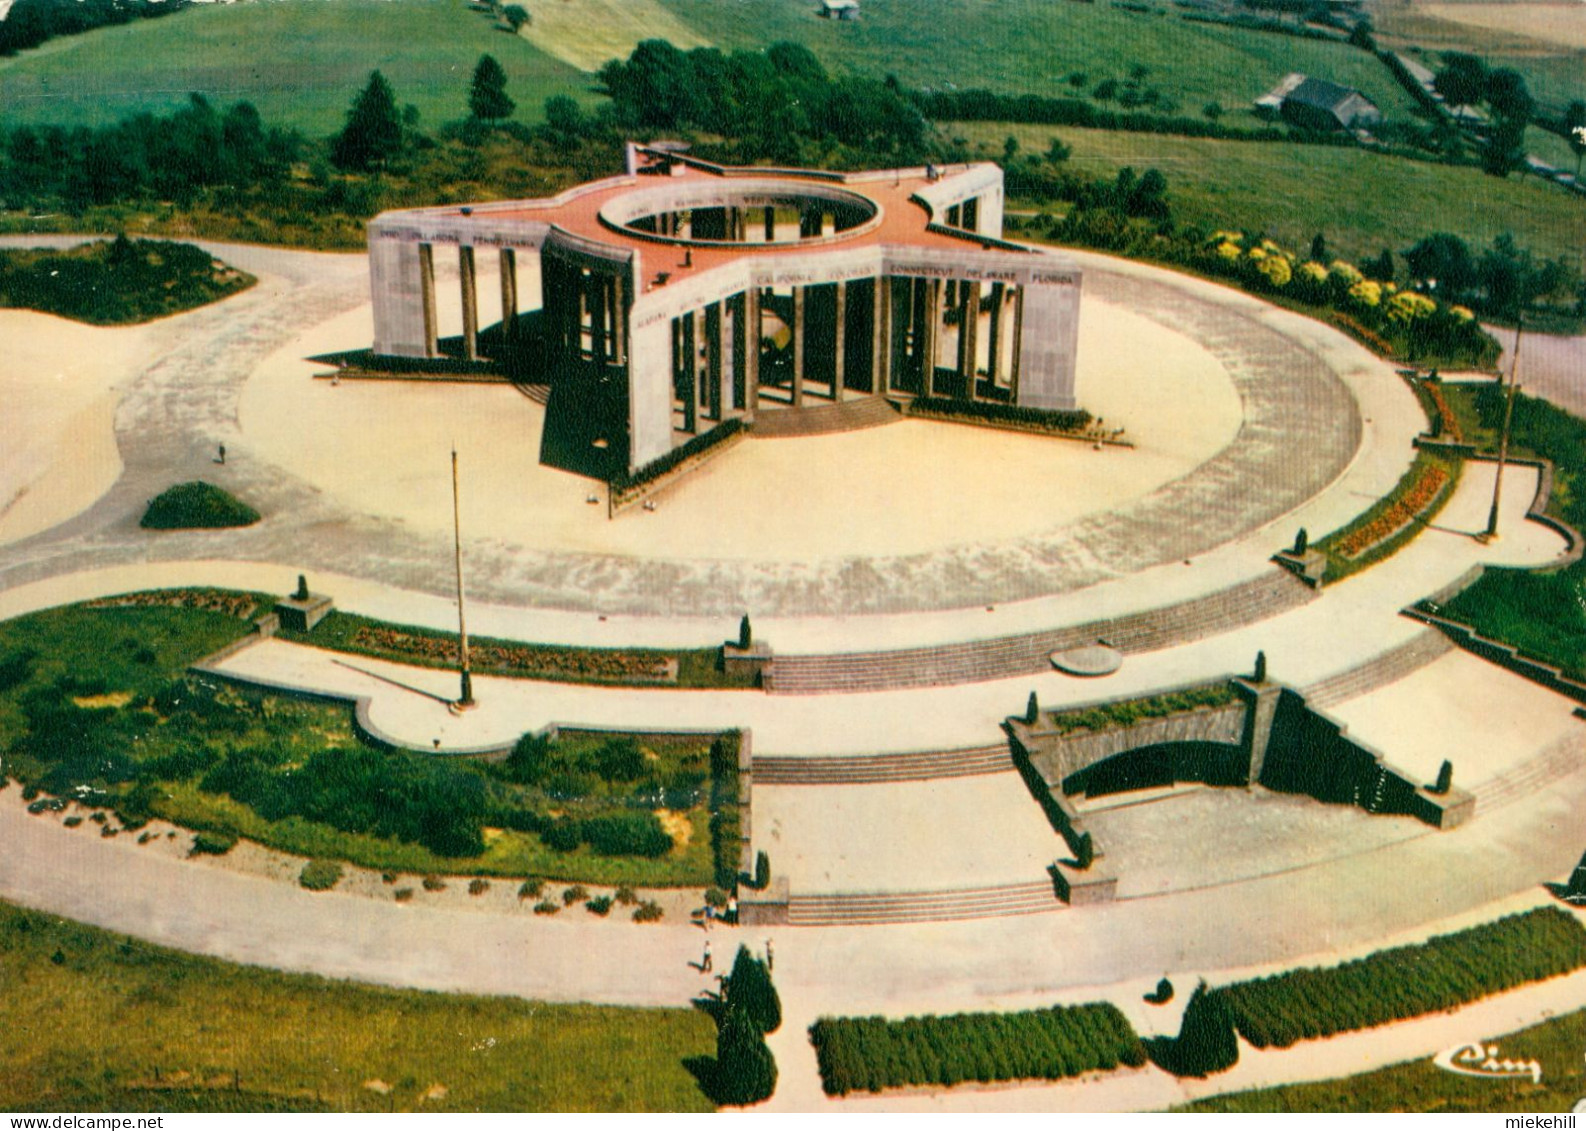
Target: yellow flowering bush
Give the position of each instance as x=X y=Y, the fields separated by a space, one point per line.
x=1407 y=306
x=1462 y=313
x=1313 y=271
x=1229 y=250
x=1276 y=269
x=1367 y=293
x=1345 y=274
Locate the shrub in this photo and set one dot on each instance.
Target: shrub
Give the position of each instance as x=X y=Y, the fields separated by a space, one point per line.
x=1206 y=1043
x=402 y=895
x=197 y=505
x=749 y=989
x=478 y=886
x=762 y=871
x=388 y=877
x=626 y=833
x=626 y=896
x=212 y=844
x=1162 y=994
x=600 y=905
x=872 y=1053
x=1390 y=985
x=745 y=1070
x=72 y=822
x=715 y=897
x=648 y=912
x=574 y=894
x=531 y=888
x=547 y=907
x=434 y=883
x=320 y=875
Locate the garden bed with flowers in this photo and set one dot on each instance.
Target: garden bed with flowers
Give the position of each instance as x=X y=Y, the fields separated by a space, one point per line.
x=1395 y=519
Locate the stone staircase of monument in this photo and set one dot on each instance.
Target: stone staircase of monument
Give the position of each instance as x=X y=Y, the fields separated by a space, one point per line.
x=869 y=769
x=1558 y=759
x=976 y=661
x=868 y=908
x=539 y=394
x=844 y=416
x=1379 y=671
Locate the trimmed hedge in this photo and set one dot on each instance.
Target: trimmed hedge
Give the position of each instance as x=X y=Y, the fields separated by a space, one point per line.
x=197 y=506
x=859 y=1054
x=1391 y=985
x=1130 y=711
x=993 y=412
x=623 y=483
x=320 y=875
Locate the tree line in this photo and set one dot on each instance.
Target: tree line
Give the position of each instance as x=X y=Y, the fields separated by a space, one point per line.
x=32 y=22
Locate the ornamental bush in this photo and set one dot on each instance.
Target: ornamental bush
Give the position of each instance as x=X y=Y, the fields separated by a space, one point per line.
x=749 y=989
x=745 y=1070
x=320 y=875
x=196 y=505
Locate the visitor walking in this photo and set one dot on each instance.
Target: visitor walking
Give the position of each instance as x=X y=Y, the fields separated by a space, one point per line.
x=222 y=458
x=768 y=955
x=704 y=963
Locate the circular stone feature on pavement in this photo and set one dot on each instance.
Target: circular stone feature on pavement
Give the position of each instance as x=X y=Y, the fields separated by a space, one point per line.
x=1091 y=660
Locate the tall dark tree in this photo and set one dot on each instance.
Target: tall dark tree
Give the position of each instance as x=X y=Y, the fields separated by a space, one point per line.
x=745 y=1069
x=749 y=989
x=487 y=97
x=373 y=133
x=1462 y=81
x=1446 y=259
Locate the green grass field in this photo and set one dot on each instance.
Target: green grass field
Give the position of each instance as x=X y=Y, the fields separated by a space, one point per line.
x=93 y=1022
x=1361 y=201
x=1419 y=1085
x=1032 y=46
x=299 y=61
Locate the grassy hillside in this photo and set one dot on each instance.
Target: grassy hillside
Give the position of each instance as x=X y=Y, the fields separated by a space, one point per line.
x=299 y=61
x=1032 y=46
x=1362 y=201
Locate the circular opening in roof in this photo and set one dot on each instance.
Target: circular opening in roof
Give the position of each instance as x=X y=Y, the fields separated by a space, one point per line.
x=733 y=213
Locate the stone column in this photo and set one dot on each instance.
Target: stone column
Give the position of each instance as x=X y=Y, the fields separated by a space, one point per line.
x=881 y=340
x=770 y=223
x=689 y=368
x=509 y=293
x=839 y=363
x=427 y=284
x=751 y=350
x=619 y=319
x=595 y=294
x=933 y=321
x=465 y=270
x=1018 y=341
x=798 y=347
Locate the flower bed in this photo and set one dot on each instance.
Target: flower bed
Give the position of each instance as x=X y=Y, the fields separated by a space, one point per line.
x=1399 y=513
x=240 y=605
x=1447 y=423
x=569 y=663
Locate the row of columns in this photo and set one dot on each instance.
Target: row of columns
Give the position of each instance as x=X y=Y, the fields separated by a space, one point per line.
x=735 y=223
x=716 y=362
x=468 y=284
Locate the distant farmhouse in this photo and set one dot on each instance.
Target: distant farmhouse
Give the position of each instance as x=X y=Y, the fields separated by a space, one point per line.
x=1317 y=104
x=840 y=9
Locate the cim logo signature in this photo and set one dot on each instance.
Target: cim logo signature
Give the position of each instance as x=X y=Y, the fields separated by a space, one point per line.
x=1477 y=1059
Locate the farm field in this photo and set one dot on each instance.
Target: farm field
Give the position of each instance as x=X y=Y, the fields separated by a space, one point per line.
x=586 y=33
x=1032 y=46
x=94 y=1022
x=1556 y=22
x=1361 y=201
x=299 y=62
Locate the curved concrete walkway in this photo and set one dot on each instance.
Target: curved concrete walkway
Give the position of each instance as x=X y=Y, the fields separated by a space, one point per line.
x=1300 y=384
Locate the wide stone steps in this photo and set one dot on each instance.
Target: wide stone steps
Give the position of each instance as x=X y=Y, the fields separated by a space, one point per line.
x=868 y=908
x=977 y=661
x=539 y=394
x=1391 y=666
x=871 y=769
x=1559 y=759
x=844 y=416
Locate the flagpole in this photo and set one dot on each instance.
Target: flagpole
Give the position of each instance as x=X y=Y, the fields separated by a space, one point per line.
x=1503 y=442
x=466 y=699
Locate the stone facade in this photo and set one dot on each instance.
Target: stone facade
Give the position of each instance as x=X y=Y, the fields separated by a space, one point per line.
x=685 y=293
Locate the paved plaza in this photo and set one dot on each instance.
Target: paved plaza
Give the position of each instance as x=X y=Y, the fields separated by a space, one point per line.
x=1251 y=422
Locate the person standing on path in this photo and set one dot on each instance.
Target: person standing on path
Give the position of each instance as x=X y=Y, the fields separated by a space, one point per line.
x=768 y=956
x=222 y=458
x=704 y=963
